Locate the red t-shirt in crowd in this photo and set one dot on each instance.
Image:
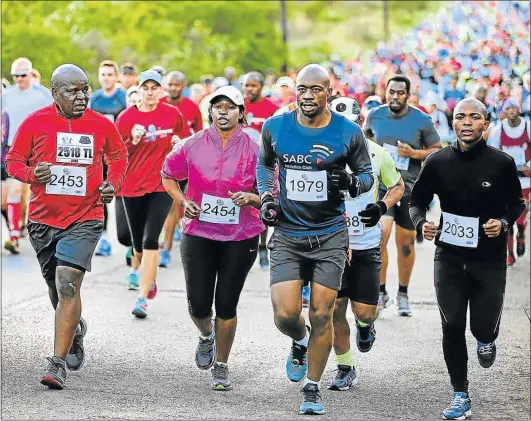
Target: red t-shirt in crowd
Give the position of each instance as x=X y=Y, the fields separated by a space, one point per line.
x=257 y=113
x=76 y=149
x=146 y=158
x=190 y=112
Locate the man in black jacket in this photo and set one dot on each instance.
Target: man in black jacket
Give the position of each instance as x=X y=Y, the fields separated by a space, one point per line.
x=481 y=198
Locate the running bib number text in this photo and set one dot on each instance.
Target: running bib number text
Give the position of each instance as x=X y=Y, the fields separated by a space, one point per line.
x=69 y=181
x=75 y=148
x=401 y=162
x=306 y=186
x=460 y=230
x=354 y=224
x=219 y=210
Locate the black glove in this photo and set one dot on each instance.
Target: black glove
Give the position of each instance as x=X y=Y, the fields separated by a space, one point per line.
x=269 y=211
x=340 y=179
x=372 y=213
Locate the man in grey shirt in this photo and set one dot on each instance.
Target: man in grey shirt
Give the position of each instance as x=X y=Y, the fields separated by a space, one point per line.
x=19 y=101
x=410 y=136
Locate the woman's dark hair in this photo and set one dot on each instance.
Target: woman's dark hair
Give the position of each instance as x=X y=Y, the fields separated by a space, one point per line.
x=402 y=79
x=242 y=120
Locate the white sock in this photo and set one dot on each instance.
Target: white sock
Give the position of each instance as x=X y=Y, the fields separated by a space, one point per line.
x=308 y=381
x=211 y=336
x=104 y=235
x=135 y=271
x=304 y=341
x=222 y=364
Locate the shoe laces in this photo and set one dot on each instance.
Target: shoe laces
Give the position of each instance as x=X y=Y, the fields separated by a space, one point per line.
x=54 y=366
x=485 y=349
x=458 y=402
x=342 y=373
x=311 y=393
x=298 y=354
x=403 y=300
x=205 y=345
x=221 y=372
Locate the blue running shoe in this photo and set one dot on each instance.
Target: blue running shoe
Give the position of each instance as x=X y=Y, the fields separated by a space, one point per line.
x=460 y=408
x=486 y=354
x=346 y=377
x=164 y=258
x=177 y=234
x=306 y=296
x=311 y=404
x=297 y=362
x=128 y=256
x=133 y=283
x=104 y=248
x=365 y=337
x=140 y=309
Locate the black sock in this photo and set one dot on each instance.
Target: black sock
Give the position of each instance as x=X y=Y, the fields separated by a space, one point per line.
x=382 y=288
x=402 y=289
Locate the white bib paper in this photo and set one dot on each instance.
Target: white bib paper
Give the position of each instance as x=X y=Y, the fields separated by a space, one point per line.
x=354 y=224
x=518 y=154
x=75 y=148
x=69 y=181
x=306 y=186
x=401 y=162
x=460 y=231
x=219 y=210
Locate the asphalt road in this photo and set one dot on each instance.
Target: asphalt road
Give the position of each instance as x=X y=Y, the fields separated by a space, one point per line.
x=144 y=369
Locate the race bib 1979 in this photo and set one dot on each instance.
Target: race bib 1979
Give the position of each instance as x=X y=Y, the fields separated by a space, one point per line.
x=306 y=186
x=401 y=162
x=69 y=181
x=460 y=231
x=75 y=148
x=219 y=210
x=354 y=224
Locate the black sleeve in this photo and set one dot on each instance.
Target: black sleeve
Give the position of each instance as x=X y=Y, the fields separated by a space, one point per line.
x=515 y=203
x=265 y=166
x=367 y=130
x=359 y=161
x=422 y=193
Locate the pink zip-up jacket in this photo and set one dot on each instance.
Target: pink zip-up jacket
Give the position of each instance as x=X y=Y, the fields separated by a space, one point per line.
x=212 y=170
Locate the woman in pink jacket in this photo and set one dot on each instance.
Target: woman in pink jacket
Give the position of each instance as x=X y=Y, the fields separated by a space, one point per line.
x=221 y=224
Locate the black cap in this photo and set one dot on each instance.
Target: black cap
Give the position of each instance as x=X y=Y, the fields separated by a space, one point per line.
x=129 y=69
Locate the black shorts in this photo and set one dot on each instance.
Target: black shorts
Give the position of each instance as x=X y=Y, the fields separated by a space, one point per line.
x=123 y=230
x=361 y=279
x=204 y=262
x=75 y=244
x=400 y=211
x=319 y=259
x=145 y=217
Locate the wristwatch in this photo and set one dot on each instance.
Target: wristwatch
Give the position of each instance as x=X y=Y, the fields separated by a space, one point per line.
x=264 y=194
x=505 y=224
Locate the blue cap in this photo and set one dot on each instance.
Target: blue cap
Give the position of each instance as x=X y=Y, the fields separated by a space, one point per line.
x=511 y=103
x=149 y=75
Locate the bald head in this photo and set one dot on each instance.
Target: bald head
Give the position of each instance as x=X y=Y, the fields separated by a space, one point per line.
x=67 y=74
x=313 y=74
x=177 y=76
x=471 y=103
x=70 y=90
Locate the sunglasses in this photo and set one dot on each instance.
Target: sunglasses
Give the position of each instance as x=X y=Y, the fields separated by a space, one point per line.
x=22 y=75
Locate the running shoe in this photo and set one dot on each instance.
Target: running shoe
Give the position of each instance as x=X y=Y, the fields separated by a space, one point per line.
x=177 y=234
x=520 y=244
x=55 y=374
x=365 y=337
x=128 y=256
x=262 y=255
x=152 y=290
x=402 y=302
x=133 y=283
x=140 y=309
x=346 y=377
x=12 y=246
x=460 y=408
x=297 y=362
x=104 y=248
x=76 y=355
x=384 y=300
x=311 y=403
x=220 y=377
x=164 y=258
x=486 y=354
x=306 y=296
x=510 y=260
x=205 y=353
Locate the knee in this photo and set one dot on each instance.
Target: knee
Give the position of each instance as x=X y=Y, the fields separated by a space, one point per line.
x=225 y=311
x=198 y=310
x=320 y=318
x=150 y=244
x=68 y=282
x=453 y=331
x=364 y=313
x=286 y=318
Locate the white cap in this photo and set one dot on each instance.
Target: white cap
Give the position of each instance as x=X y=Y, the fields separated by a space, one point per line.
x=230 y=92
x=285 y=81
x=347 y=107
x=219 y=82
